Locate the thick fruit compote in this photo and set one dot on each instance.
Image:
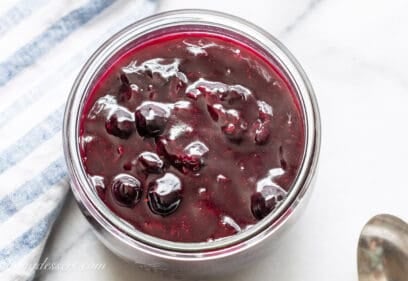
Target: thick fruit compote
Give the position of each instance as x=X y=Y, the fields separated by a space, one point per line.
x=192 y=137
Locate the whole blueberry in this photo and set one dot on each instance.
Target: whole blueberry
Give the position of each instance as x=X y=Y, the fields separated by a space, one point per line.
x=121 y=123
x=150 y=162
x=164 y=194
x=151 y=118
x=127 y=190
x=265 y=200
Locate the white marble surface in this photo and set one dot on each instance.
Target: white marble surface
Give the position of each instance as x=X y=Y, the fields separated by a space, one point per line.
x=355 y=53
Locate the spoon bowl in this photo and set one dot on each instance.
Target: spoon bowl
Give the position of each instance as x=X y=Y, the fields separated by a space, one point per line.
x=382 y=253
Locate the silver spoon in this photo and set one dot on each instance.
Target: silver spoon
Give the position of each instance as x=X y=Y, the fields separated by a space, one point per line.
x=382 y=253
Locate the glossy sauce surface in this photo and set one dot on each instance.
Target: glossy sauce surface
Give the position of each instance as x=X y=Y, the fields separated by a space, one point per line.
x=192 y=137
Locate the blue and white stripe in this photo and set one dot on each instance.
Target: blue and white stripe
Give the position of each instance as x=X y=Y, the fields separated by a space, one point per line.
x=18 y=13
x=48 y=42
x=53 y=35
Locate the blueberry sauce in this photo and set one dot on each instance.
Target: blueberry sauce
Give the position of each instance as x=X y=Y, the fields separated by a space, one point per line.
x=192 y=137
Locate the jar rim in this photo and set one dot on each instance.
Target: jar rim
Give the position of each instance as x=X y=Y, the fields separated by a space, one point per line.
x=81 y=185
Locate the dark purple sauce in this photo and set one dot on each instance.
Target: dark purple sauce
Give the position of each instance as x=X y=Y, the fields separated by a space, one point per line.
x=192 y=137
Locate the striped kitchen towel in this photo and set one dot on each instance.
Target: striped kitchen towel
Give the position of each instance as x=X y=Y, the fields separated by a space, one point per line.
x=43 y=45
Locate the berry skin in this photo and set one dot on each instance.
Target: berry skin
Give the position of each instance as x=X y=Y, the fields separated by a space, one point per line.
x=216 y=112
x=266 y=200
x=187 y=163
x=232 y=123
x=186 y=159
x=164 y=195
x=234 y=126
x=124 y=90
x=121 y=123
x=151 y=119
x=150 y=162
x=260 y=206
x=127 y=190
x=261 y=131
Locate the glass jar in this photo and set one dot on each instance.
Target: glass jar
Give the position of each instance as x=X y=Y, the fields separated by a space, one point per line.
x=206 y=258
